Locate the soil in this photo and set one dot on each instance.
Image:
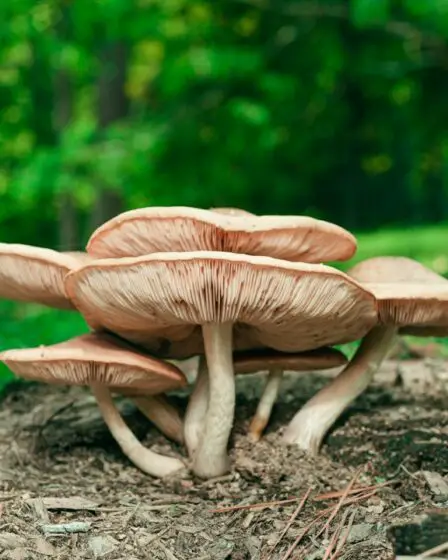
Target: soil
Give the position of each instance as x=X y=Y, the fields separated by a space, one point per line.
x=53 y=445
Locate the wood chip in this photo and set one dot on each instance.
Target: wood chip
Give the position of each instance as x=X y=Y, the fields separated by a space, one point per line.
x=437 y=484
x=73 y=503
x=39 y=508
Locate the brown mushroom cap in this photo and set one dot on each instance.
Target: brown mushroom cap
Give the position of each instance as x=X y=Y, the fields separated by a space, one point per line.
x=321 y=358
x=287 y=306
x=408 y=293
x=160 y=229
x=34 y=274
x=94 y=358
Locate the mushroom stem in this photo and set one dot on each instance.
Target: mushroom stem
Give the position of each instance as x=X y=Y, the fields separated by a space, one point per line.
x=211 y=457
x=266 y=403
x=197 y=409
x=309 y=426
x=162 y=414
x=146 y=460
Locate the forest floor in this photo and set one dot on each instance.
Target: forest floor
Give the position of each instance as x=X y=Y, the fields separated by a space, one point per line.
x=59 y=466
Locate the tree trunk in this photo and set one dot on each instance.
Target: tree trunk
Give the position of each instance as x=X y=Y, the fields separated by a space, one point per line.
x=63 y=109
x=112 y=106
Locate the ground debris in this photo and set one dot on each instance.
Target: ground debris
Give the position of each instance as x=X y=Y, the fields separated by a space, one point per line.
x=77 y=474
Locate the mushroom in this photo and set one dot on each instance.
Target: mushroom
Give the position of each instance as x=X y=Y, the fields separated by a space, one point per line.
x=286 y=306
x=99 y=362
x=34 y=274
x=408 y=295
x=251 y=362
x=159 y=410
x=159 y=229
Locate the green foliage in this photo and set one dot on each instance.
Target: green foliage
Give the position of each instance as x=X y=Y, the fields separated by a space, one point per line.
x=293 y=107
x=370 y=12
x=330 y=108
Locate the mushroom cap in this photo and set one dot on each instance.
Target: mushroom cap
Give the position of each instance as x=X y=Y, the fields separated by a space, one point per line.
x=94 y=358
x=408 y=293
x=229 y=211
x=81 y=256
x=35 y=275
x=321 y=358
x=159 y=229
x=287 y=306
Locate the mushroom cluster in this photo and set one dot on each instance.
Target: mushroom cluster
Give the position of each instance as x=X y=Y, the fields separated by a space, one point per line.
x=243 y=292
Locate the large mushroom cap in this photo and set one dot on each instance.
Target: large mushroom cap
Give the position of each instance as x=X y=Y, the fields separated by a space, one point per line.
x=408 y=293
x=81 y=257
x=160 y=229
x=35 y=275
x=287 y=306
x=229 y=211
x=94 y=358
x=265 y=359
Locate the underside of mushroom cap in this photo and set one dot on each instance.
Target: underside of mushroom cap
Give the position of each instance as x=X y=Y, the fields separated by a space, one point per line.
x=160 y=229
x=94 y=358
x=411 y=304
x=172 y=348
x=265 y=359
x=35 y=274
x=287 y=306
x=408 y=293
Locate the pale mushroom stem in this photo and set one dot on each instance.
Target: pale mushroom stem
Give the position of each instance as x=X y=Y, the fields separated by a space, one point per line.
x=162 y=414
x=308 y=427
x=146 y=460
x=211 y=457
x=197 y=409
x=266 y=404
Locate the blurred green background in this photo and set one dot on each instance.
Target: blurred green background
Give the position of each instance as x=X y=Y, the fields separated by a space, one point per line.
x=336 y=109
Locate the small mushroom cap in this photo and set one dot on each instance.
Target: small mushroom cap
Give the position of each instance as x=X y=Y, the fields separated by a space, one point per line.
x=35 y=275
x=287 y=306
x=160 y=229
x=94 y=358
x=321 y=358
x=408 y=293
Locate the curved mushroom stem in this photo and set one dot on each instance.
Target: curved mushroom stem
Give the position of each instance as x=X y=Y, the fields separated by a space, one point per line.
x=309 y=426
x=211 y=457
x=197 y=409
x=266 y=403
x=146 y=460
x=162 y=414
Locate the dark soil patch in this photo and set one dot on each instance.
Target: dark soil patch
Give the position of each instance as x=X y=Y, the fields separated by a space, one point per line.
x=53 y=444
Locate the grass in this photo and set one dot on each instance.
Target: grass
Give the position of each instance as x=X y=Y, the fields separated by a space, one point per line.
x=29 y=325
x=428 y=245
